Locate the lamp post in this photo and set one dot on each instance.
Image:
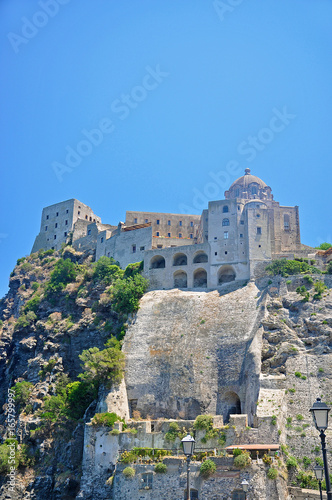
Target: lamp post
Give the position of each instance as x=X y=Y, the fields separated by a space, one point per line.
x=318 y=470
x=320 y=414
x=188 y=444
x=245 y=486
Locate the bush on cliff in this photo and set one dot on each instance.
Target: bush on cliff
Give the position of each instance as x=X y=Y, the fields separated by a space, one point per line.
x=287 y=267
x=107 y=270
x=208 y=468
x=106 y=419
x=242 y=460
x=126 y=293
x=64 y=272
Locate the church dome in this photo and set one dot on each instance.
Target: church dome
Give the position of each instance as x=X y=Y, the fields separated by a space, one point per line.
x=247 y=179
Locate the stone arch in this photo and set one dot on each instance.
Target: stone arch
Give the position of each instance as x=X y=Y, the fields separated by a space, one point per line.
x=180 y=259
x=225 y=209
x=180 y=279
x=226 y=274
x=225 y=222
x=157 y=262
x=200 y=278
x=232 y=405
x=200 y=257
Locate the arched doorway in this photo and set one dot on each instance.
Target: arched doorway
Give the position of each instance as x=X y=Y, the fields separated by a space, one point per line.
x=180 y=279
x=232 y=405
x=180 y=259
x=200 y=257
x=226 y=274
x=200 y=278
x=157 y=262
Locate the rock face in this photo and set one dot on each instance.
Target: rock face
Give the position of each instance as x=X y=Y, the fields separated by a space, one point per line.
x=190 y=353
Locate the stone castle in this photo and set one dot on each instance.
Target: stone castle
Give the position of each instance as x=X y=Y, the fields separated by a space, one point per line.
x=231 y=240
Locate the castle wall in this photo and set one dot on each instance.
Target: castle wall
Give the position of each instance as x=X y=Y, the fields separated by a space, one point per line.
x=165 y=224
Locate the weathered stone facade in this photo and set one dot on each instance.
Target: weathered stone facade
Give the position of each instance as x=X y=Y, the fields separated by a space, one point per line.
x=228 y=242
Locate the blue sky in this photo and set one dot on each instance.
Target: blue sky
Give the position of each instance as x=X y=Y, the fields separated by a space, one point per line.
x=184 y=95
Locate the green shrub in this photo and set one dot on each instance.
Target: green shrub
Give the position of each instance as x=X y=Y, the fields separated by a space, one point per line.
x=128 y=472
x=115 y=432
x=299 y=417
x=25 y=320
x=320 y=287
x=301 y=290
x=306 y=461
x=1 y=323
x=203 y=422
x=32 y=304
x=324 y=246
x=287 y=267
x=26 y=267
x=133 y=269
x=103 y=367
x=106 y=270
x=298 y=374
x=79 y=397
x=272 y=473
x=160 y=468
x=237 y=452
x=291 y=462
x=242 y=460
x=208 y=468
x=329 y=268
x=35 y=286
x=173 y=431
x=64 y=272
x=307 y=480
x=45 y=253
x=47 y=368
x=126 y=293
x=308 y=279
x=106 y=419
x=22 y=392
x=274 y=420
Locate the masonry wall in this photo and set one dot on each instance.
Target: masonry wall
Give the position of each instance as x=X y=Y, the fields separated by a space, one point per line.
x=173 y=224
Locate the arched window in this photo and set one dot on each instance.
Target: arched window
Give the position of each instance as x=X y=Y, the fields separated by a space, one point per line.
x=200 y=278
x=225 y=209
x=225 y=222
x=200 y=258
x=180 y=259
x=226 y=274
x=232 y=405
x=180 y=279
x=254 y=190
x=157 y=262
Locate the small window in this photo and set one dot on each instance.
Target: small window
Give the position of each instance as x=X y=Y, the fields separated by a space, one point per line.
x=94 y=220
x=242 y=222
x=108 y=254
x=67 y=211
x=191 y=224
x=225 y=222
x=158 y=222
x=146 y=221
x=157 y=233
x=225 y=235
x=168 y=235
x=86 y=217
x=180 y=222
x=135 y=221
x=65 y=234
x=79 y=206
x=259 y=230
x=52 y=248
x=147 y=480
x=259 y=246
x=141 y=249
x=47 y=217
x=159 y=246
x=56 y=225
x=253 y=190
x=66 y=223
x=215 y=253
x=57 y=214
x=55 y=236
x=45 y=228
x=238 y=207
x=78 y=213
x=89 y=232
x=134 y=248
x=286 y=222
x=225 y=209
x=241 y=235
x=180 y=235
x=101 y=240
x=168 y=222
x=90 y=219
x=215 y=237
x=191 y=236
x=258 y=216
x=226 y=253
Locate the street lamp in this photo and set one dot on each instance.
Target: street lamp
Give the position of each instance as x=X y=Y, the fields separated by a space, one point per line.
x=318 y=470
x=245 y=486
x=320 y=414
x=188 y=444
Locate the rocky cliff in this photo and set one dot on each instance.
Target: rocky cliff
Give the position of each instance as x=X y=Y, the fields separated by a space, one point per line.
x=259 y=349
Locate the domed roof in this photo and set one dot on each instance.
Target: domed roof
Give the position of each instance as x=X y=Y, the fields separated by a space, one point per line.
x=247 y=179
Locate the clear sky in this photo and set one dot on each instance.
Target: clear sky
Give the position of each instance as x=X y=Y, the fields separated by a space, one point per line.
x=159 y=106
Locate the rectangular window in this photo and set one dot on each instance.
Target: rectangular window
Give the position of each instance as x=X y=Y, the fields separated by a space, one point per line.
x=147 y=481
x=191 y=236
x=157 y=233
x=134 y=248
x=180 y=235
x=47 y=217
x=45 y=228
x=225 y=235
x=241 y=235
x=65 y=234
x=146 y=221
x=158 y=221
x=89 y=232
x=108 y=254
x=135 y=221
x=159 y=246
x=55 y=236
x=141 y=249
x=86 y=217
x=180 y=222
x=242 y=222
x=215 y=253
x=168 y=235
x=191 y=224
x=259 y=230
x=66 y=223
x=56 y=225
x=168 y=222
x=57 y=214
x=101 y=240
x=78 y=213
x=67 y=211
